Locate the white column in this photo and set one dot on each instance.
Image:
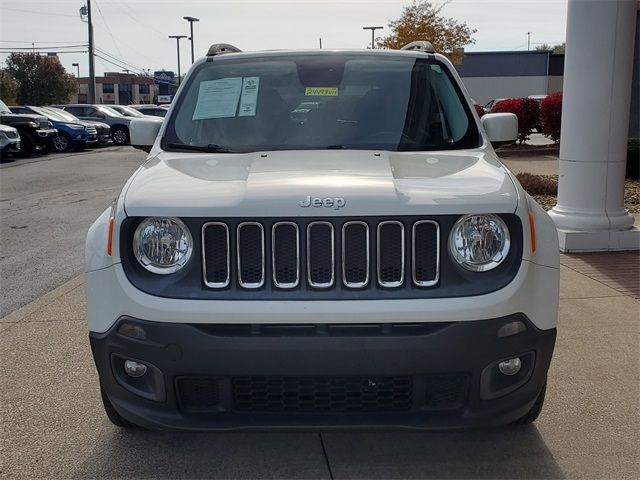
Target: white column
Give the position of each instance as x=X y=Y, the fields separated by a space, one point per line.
x=590 y=213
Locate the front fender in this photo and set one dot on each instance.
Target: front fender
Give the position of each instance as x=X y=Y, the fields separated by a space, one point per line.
x=95 y=253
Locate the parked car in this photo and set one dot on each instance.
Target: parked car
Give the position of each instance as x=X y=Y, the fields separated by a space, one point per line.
x=375 y=265
x=127 y=111
x=36 y=131
x=152 y=110
x=102 y=129
x=9 y=140
x=70 y=134
x=119 y=123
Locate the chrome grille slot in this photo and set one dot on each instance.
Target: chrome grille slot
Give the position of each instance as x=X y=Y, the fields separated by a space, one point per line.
x=390 y=253
x=250 y=245
x=215 y=251
x=425 y=244
x=355 y=254
x=320 y=255
x=285 y=252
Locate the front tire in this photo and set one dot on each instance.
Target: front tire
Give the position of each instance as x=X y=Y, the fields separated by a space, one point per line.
x=62 y=142
x=531 y=416
x=120 y=136
x=111 y=412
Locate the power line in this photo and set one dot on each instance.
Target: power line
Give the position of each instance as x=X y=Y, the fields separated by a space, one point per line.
x=107 y=27
x=128 y=14
x=120 y=60
x=35 y=12
x=30 y=41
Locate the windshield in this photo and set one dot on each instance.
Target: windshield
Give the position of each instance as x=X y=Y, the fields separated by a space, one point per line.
x=4 y=108
x=49 y=114
x=108 y=111
x=64 y=114
x=126 y=111
x=321 y=101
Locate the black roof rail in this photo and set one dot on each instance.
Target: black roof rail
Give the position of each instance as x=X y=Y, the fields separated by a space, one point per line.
x=220 y=48
x=420 y=45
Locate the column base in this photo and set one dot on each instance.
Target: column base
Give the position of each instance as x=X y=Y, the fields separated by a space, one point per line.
x=599 y=241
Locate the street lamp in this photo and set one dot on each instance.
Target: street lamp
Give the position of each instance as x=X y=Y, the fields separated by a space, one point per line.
x=77 y=65
x=191 y=20
x=178 y=37
x=373 y=35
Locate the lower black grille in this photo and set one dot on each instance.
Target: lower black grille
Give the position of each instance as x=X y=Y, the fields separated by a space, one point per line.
x=198 y=394
x=446 y=392
x=322 y=394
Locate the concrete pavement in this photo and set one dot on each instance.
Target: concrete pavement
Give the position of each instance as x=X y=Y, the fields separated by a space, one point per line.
x=46 y=206
x=53 y=425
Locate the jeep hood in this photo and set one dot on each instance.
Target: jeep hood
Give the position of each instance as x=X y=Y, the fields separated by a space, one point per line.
x=273 y=184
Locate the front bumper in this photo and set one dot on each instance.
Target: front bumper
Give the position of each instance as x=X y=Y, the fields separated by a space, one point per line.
x=229 y=377
x=10 y=146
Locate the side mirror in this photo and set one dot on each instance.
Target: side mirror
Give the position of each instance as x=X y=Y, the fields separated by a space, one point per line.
x=143 y=132
x=501 y=128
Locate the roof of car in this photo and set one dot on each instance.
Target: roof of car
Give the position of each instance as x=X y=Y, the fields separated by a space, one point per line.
x=321 y=52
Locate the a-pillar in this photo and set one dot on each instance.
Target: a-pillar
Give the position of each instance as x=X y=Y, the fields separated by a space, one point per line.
x=590 y=213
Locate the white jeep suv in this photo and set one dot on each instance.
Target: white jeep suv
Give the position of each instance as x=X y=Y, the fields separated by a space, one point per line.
x=367 y=261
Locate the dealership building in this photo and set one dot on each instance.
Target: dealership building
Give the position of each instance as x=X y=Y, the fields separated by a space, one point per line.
x=116 y=88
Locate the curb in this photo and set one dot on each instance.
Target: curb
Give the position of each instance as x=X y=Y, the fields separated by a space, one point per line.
x=41 y=302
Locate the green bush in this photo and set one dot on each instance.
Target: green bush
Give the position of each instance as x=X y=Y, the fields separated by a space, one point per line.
x=633 y=158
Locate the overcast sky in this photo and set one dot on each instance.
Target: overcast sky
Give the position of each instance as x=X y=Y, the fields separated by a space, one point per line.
x=133 y=33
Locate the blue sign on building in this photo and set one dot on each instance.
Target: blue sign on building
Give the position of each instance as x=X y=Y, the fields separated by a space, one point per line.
x=164 y=80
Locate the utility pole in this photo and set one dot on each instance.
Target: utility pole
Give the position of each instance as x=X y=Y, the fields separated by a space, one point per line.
x=92 y=67
x=373 y=35
x=320 y=42
x=528 y=41
x=178 y=37
x=191 y=20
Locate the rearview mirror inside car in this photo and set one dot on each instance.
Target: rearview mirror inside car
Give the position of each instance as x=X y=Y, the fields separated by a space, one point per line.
x=143 y=132
x=501 y=128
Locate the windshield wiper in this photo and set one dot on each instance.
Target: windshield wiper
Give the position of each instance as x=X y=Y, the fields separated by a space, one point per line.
x=210 y=148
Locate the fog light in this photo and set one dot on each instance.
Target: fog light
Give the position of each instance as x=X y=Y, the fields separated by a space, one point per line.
x=137 y=369
x=510 y=367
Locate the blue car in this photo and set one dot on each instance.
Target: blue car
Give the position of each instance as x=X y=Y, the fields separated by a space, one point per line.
x=70 y=134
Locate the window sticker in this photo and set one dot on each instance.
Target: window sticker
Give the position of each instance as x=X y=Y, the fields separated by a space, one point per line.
x=321 y=91
x=249 y=97
x=218 y=98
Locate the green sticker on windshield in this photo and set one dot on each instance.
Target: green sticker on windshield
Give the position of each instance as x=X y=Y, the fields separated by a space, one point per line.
x=321 y=91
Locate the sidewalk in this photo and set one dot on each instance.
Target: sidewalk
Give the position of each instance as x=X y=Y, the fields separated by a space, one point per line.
x=53 y=424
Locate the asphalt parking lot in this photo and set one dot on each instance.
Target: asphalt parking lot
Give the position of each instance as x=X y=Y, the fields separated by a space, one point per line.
x=52 y=424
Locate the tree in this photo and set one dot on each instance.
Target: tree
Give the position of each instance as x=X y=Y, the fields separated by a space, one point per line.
x=8 y=87
x=40 y=80
x=545 y=47
x=422 y=21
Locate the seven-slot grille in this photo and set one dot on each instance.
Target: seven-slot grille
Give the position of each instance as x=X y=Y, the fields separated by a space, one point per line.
x=321 y=254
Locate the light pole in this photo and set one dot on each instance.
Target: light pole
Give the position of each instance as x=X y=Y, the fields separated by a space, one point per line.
x=77 y=65
x=528 y=41
x=191 y=20
x=178 y=37
x=373 y=34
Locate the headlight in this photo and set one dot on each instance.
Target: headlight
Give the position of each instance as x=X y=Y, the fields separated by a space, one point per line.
x=33 y=124
x=75 y=127
x=162 y=245
x=479 y=243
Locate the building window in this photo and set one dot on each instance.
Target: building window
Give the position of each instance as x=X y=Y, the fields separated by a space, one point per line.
x=107 y=88
x=143 y=88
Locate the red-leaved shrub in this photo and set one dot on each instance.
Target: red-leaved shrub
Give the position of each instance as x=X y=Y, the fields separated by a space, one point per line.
x=479 y=109
x=527 y=111
x=551 y=116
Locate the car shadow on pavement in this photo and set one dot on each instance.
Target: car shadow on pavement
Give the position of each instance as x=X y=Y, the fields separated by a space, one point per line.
x=518 y=452
x=495 y=453
x=140 y=453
